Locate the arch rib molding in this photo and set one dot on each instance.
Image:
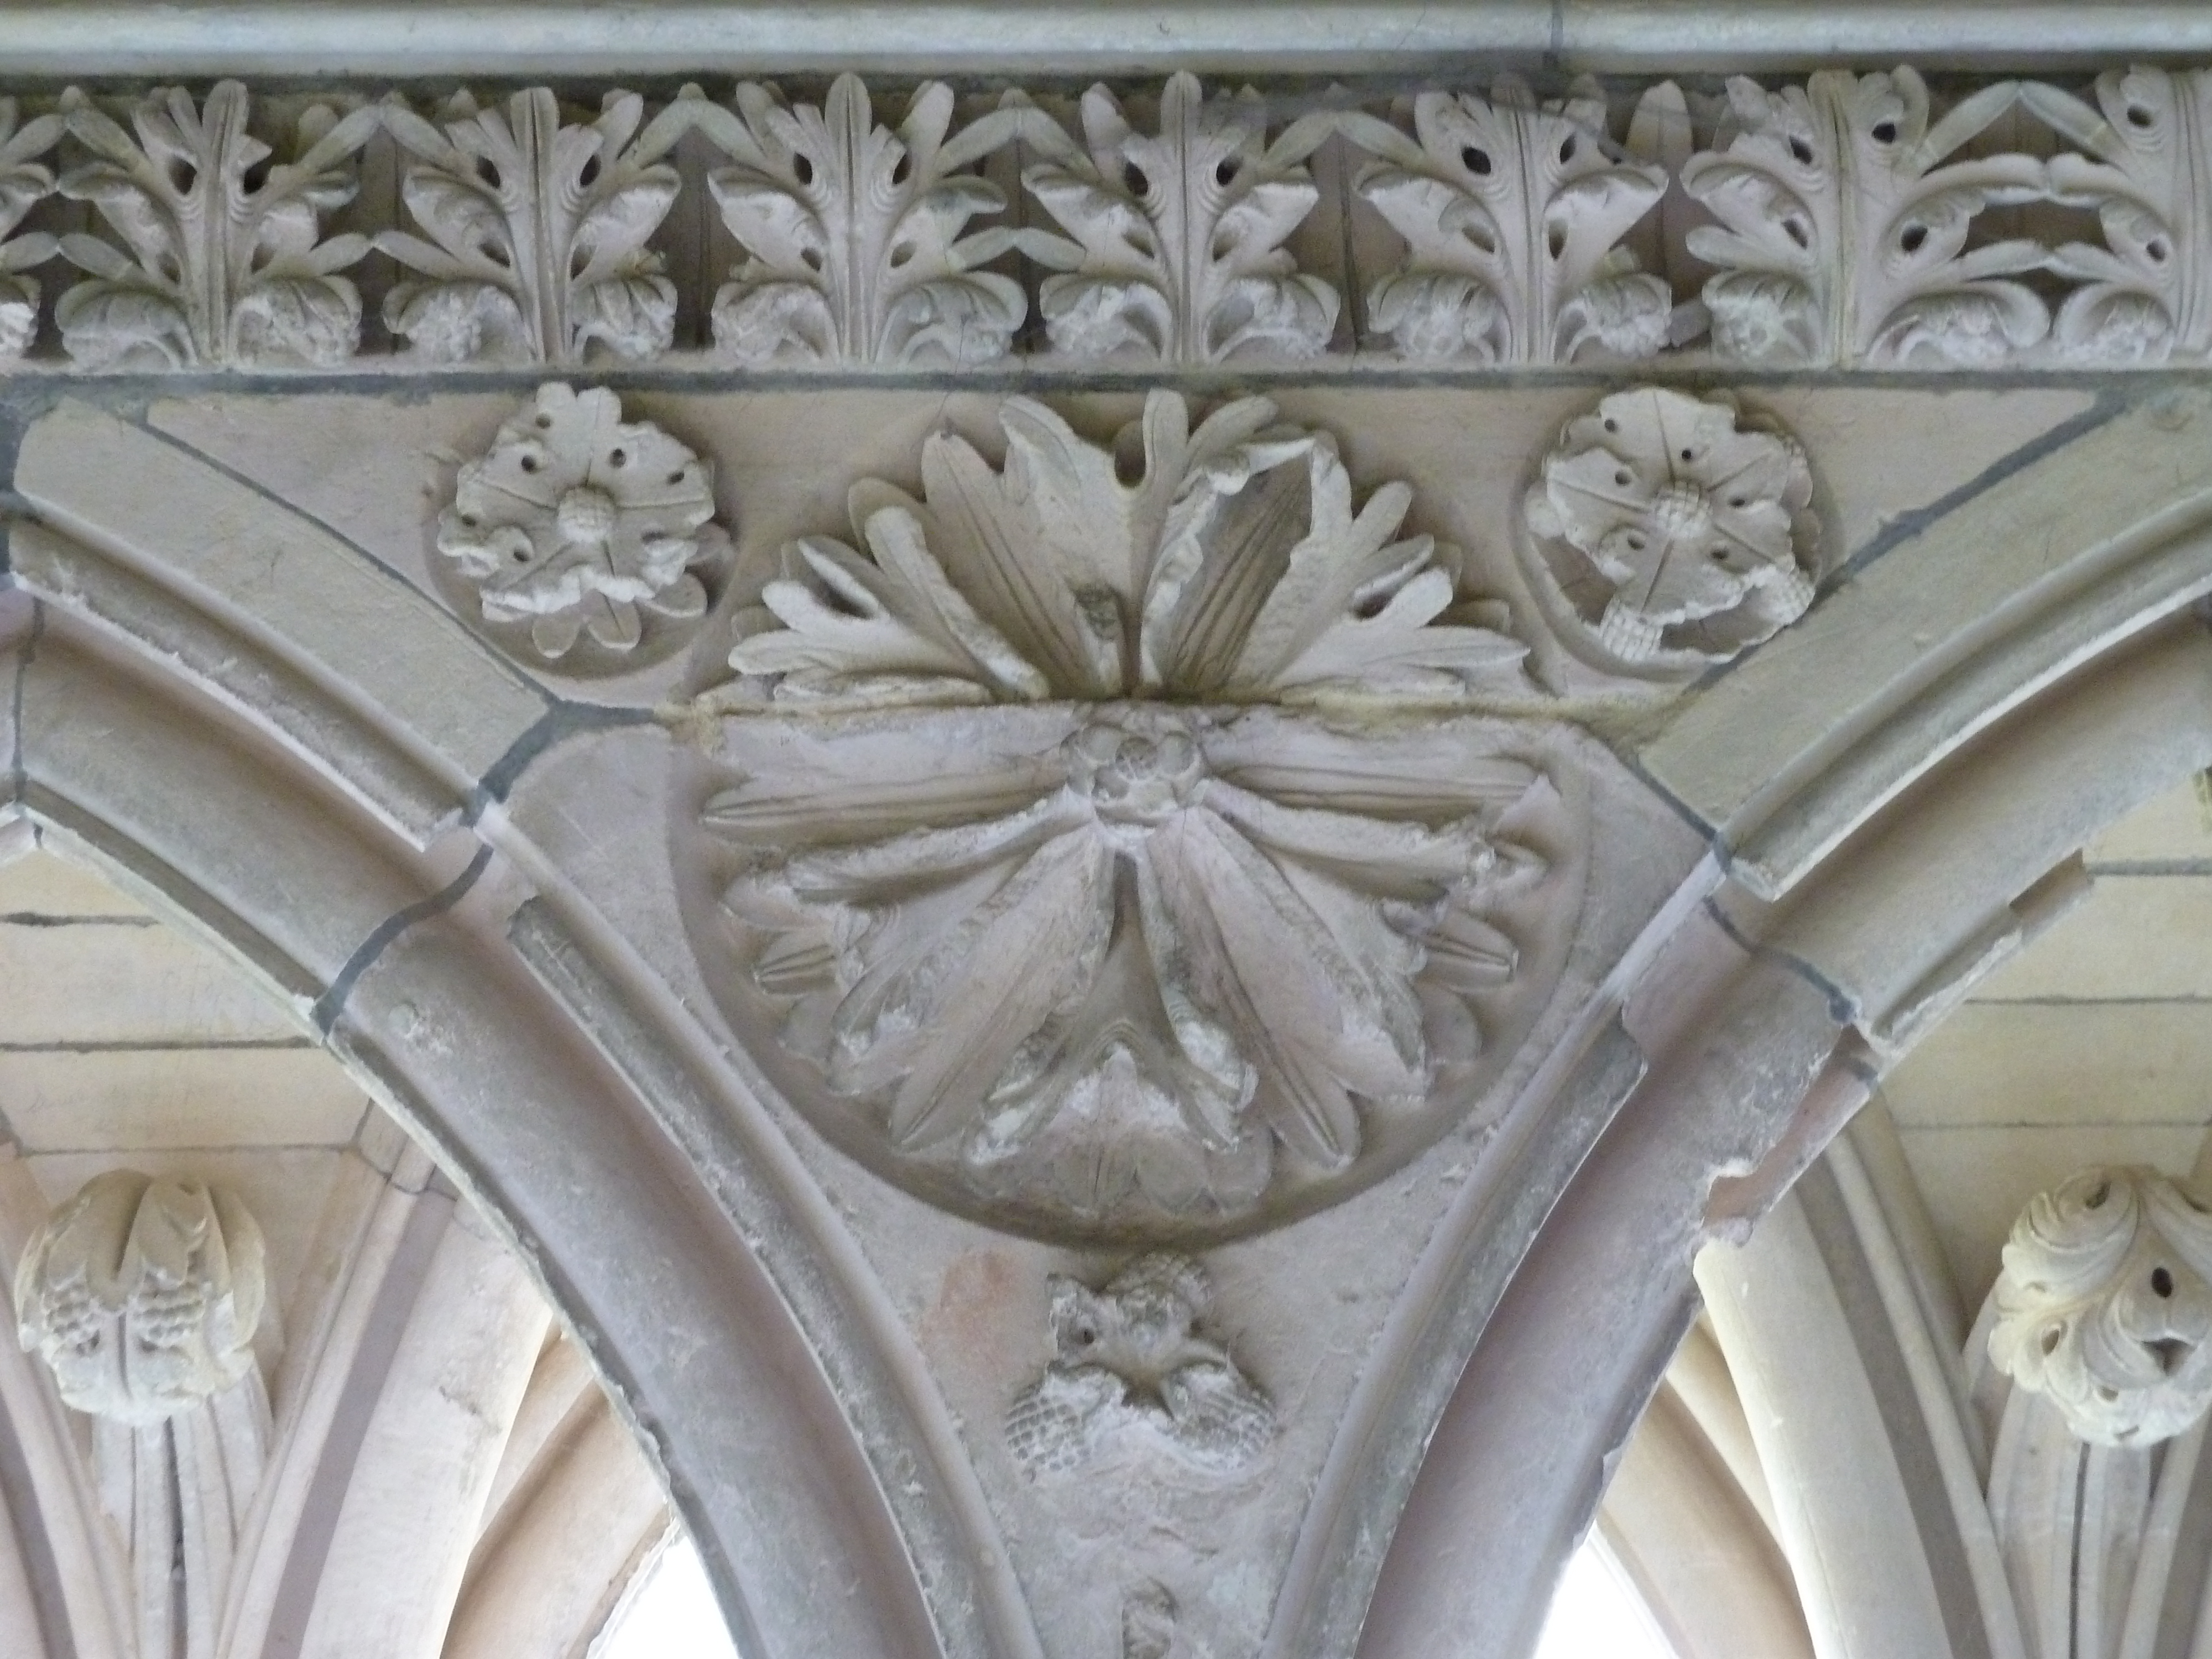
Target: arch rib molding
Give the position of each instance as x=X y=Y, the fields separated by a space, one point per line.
x=1109 y=904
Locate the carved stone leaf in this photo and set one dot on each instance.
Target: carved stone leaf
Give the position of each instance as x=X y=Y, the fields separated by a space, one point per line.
x=1233 y=569
x=1671 y=535
x=537 y=232
x=854 y=231
x=214 y=267
x=2146 y=294
x=1513 y=213
x=25 y=181
x=1843 y=235
x=1176 y=238
x=577 y=523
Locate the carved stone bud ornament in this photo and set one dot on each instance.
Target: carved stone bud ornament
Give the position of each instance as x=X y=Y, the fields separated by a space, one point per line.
x=577 y=524
x=143 y=1296
x=1670 y=533
x=1131 y=1378
x=2104 y=1305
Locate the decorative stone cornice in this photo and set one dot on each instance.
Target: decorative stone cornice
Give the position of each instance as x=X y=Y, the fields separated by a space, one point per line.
x=1848 y=220
x=2104 y=1305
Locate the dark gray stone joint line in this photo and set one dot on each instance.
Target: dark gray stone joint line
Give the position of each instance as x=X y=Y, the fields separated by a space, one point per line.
x=563 y=720
x=325 y=1014
x=1841 y=1009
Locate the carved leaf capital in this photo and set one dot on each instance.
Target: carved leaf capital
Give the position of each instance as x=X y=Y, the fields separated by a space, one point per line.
x=143 y=1297
x=2104 y=1305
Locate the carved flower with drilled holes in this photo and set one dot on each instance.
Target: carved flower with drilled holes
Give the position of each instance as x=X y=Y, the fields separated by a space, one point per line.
x=1108 y=947
x=1695 y=535
x=578 y=523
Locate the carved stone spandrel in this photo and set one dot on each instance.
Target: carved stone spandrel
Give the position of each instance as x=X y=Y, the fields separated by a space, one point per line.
x=25 y=181
x=1668 y=533
x=2104 y=1305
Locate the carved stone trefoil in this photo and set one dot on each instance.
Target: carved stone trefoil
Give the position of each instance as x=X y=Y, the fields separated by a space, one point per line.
x=1130 y=861
x=1132 y=1381
x=1173 y=244
x=217 y=265
x=143 y=1297
x=2104 y=1305
x=1669 y=533
x=576 y=524
x=1513 y=213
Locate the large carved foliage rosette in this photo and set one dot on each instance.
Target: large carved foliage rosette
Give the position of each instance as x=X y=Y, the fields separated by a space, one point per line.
x=1117 y=844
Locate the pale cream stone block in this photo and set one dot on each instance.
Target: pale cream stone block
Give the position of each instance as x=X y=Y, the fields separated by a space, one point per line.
x=1978 y=1181
x=2175 y=828
x=2137 y=936
x=1994 y=1065
x=41 y=884
x=105 y=982
x=132 y=1099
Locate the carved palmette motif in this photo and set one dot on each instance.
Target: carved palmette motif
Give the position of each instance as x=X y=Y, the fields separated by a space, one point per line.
x=1513 y=213
x=25 y=180
x=216 y=265
x=2104 y=1305
x=1131 y=1379
x=536 y=232
x=853 y=231
x=1173 y=244
x=1844 y=226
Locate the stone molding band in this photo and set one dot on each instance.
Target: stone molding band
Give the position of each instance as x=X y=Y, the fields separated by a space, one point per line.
x=1844 y=221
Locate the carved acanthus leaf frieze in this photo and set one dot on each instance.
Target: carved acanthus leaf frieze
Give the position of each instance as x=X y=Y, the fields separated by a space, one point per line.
x=2104 y=1305
x=1845 y=226
x=1126 y=859
x=1669 y=533
x=538 y=230
x=222 y=262
x=143 y=1297
x=1131 y=1380
x=854 y=231
x=1174 y=246
x=1513 y=212
x=1853 y=226
x=576 y=524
